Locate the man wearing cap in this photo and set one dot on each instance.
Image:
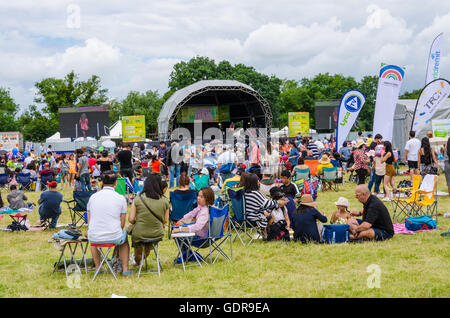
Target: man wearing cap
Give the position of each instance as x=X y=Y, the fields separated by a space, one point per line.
x=376 y=222
x=376 y=141
x=50 y=204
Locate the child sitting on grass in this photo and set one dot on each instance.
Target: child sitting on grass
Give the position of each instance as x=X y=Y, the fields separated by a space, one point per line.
x=342 y=215
x=279 y=223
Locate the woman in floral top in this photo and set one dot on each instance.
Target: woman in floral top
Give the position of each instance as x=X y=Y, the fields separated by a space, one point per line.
x=360 y=165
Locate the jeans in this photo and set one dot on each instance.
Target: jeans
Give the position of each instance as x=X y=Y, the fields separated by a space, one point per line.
x=174 y=170
x=372 y=180
x=43 y=214
x=378 y=180
x=85 y=182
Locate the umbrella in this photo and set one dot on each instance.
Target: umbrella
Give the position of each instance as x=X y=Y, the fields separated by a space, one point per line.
x=108 y=144
x=209 y=162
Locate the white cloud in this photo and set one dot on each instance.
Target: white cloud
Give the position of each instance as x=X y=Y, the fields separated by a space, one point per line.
x=134 y=47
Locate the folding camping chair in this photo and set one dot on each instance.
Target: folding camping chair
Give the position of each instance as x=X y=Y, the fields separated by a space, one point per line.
x=78 y=207
x=4 y=181
x=182 y=203
x=155 y=247
x=300 y=174
x=328 y=179
x=44 y=179
x=239 y=221
x=24 y=179
x=421 y=202
x=312 y=164
x=219 y=232
x=201 y=181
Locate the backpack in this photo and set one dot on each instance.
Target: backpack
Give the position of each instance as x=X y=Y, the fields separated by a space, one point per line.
x=278 y=231
x=17 y=226
x=417 y=223
x=310 y=187
x=335 y=233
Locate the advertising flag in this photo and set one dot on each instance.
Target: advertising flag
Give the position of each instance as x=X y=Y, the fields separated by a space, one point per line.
x=389 y=83
x=298 y=123
x=431 y=97
x=133 y=128
x=349 y=108
x=434 y=59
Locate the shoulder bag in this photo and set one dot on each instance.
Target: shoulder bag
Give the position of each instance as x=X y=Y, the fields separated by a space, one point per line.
x=150 y=210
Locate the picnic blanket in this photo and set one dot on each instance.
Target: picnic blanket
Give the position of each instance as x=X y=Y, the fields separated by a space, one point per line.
x=399 y=228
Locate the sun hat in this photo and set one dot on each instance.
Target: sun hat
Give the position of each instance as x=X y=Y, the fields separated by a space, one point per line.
x=342 y=201
x=359 y=143
x=204 y=171
x=324 y=160
x=307 y=199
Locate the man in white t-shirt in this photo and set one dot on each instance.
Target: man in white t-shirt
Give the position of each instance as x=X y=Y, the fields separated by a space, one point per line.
x=412 y=148
x=229 y=159
x=107 y=212
x=28 y=159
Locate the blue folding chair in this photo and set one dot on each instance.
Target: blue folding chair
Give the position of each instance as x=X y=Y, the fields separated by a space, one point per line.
x=328 y=179
x=24 y=179
x=239 y=222
x=201 y=181
x=299 y=174
x=218 y=234
x=4 y=180
x=182 y=203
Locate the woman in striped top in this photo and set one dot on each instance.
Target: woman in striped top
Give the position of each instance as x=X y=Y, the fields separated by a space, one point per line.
x=255 y=202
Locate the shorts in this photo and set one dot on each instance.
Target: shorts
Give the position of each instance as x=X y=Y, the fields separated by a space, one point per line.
x=390 y=170
x=380 y=235
x=121 y=240
x=413 y=164
x=127 y=173
x=64 y=173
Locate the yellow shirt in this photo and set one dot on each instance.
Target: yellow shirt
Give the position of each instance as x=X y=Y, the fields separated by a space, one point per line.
x=319 y=167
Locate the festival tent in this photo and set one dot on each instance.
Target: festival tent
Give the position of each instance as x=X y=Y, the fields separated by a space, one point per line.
x=57 y=138
x=403 y=116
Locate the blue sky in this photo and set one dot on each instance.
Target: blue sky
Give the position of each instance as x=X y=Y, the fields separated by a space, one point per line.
x=134 y=45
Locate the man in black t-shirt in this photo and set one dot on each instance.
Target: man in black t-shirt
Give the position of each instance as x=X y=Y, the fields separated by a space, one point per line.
x=376 y=222
x=376 y=141
x=126 y=166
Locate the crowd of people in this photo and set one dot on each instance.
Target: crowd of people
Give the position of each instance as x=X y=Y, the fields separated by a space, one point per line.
x=273 y=202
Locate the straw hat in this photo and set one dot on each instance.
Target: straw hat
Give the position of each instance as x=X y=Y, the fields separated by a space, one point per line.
x=359 y=143
x=307 y=199
x=324 y=160
x=342 y=201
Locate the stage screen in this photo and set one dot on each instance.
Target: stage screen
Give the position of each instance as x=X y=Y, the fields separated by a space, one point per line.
x=85 y=121
x=208 y=114
x=326 y=114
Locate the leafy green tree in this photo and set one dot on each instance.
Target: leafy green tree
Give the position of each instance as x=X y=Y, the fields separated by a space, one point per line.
x=35 y=126
x=70 y=91
x=8 y=111
x=414 y=94
x=368 y=86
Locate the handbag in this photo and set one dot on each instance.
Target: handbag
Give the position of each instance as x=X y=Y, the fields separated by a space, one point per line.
x=150 y=210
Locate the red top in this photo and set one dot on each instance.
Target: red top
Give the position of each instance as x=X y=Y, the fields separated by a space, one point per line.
x=156 y=166
x=91 y=162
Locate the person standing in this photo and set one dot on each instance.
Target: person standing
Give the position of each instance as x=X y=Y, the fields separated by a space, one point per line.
x=126 y=165
x=426 y=157
x=447 y=163
x=412 y=148
x=388 y=158
x=294 y=154
x=162 y=154
x=360 y=165
x=227 y=162
x=173 y=160
x=83 y=171
x=64 y=170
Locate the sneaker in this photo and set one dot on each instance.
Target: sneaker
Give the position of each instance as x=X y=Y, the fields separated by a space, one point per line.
x=127 y=274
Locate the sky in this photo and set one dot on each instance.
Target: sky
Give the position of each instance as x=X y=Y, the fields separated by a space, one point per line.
x=133 y=45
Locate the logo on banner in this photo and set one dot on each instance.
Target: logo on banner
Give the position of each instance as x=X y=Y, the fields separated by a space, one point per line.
x=353 y=103
x=392 y=72
x=436 y=58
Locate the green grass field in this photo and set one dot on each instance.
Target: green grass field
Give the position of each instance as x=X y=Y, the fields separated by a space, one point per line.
x=409 y=265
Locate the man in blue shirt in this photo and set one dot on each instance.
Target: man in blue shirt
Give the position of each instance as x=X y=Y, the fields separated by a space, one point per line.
x=346 y=154
x=50 y=204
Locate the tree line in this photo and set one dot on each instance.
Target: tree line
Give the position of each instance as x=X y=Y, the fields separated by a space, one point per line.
x=40 y=120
